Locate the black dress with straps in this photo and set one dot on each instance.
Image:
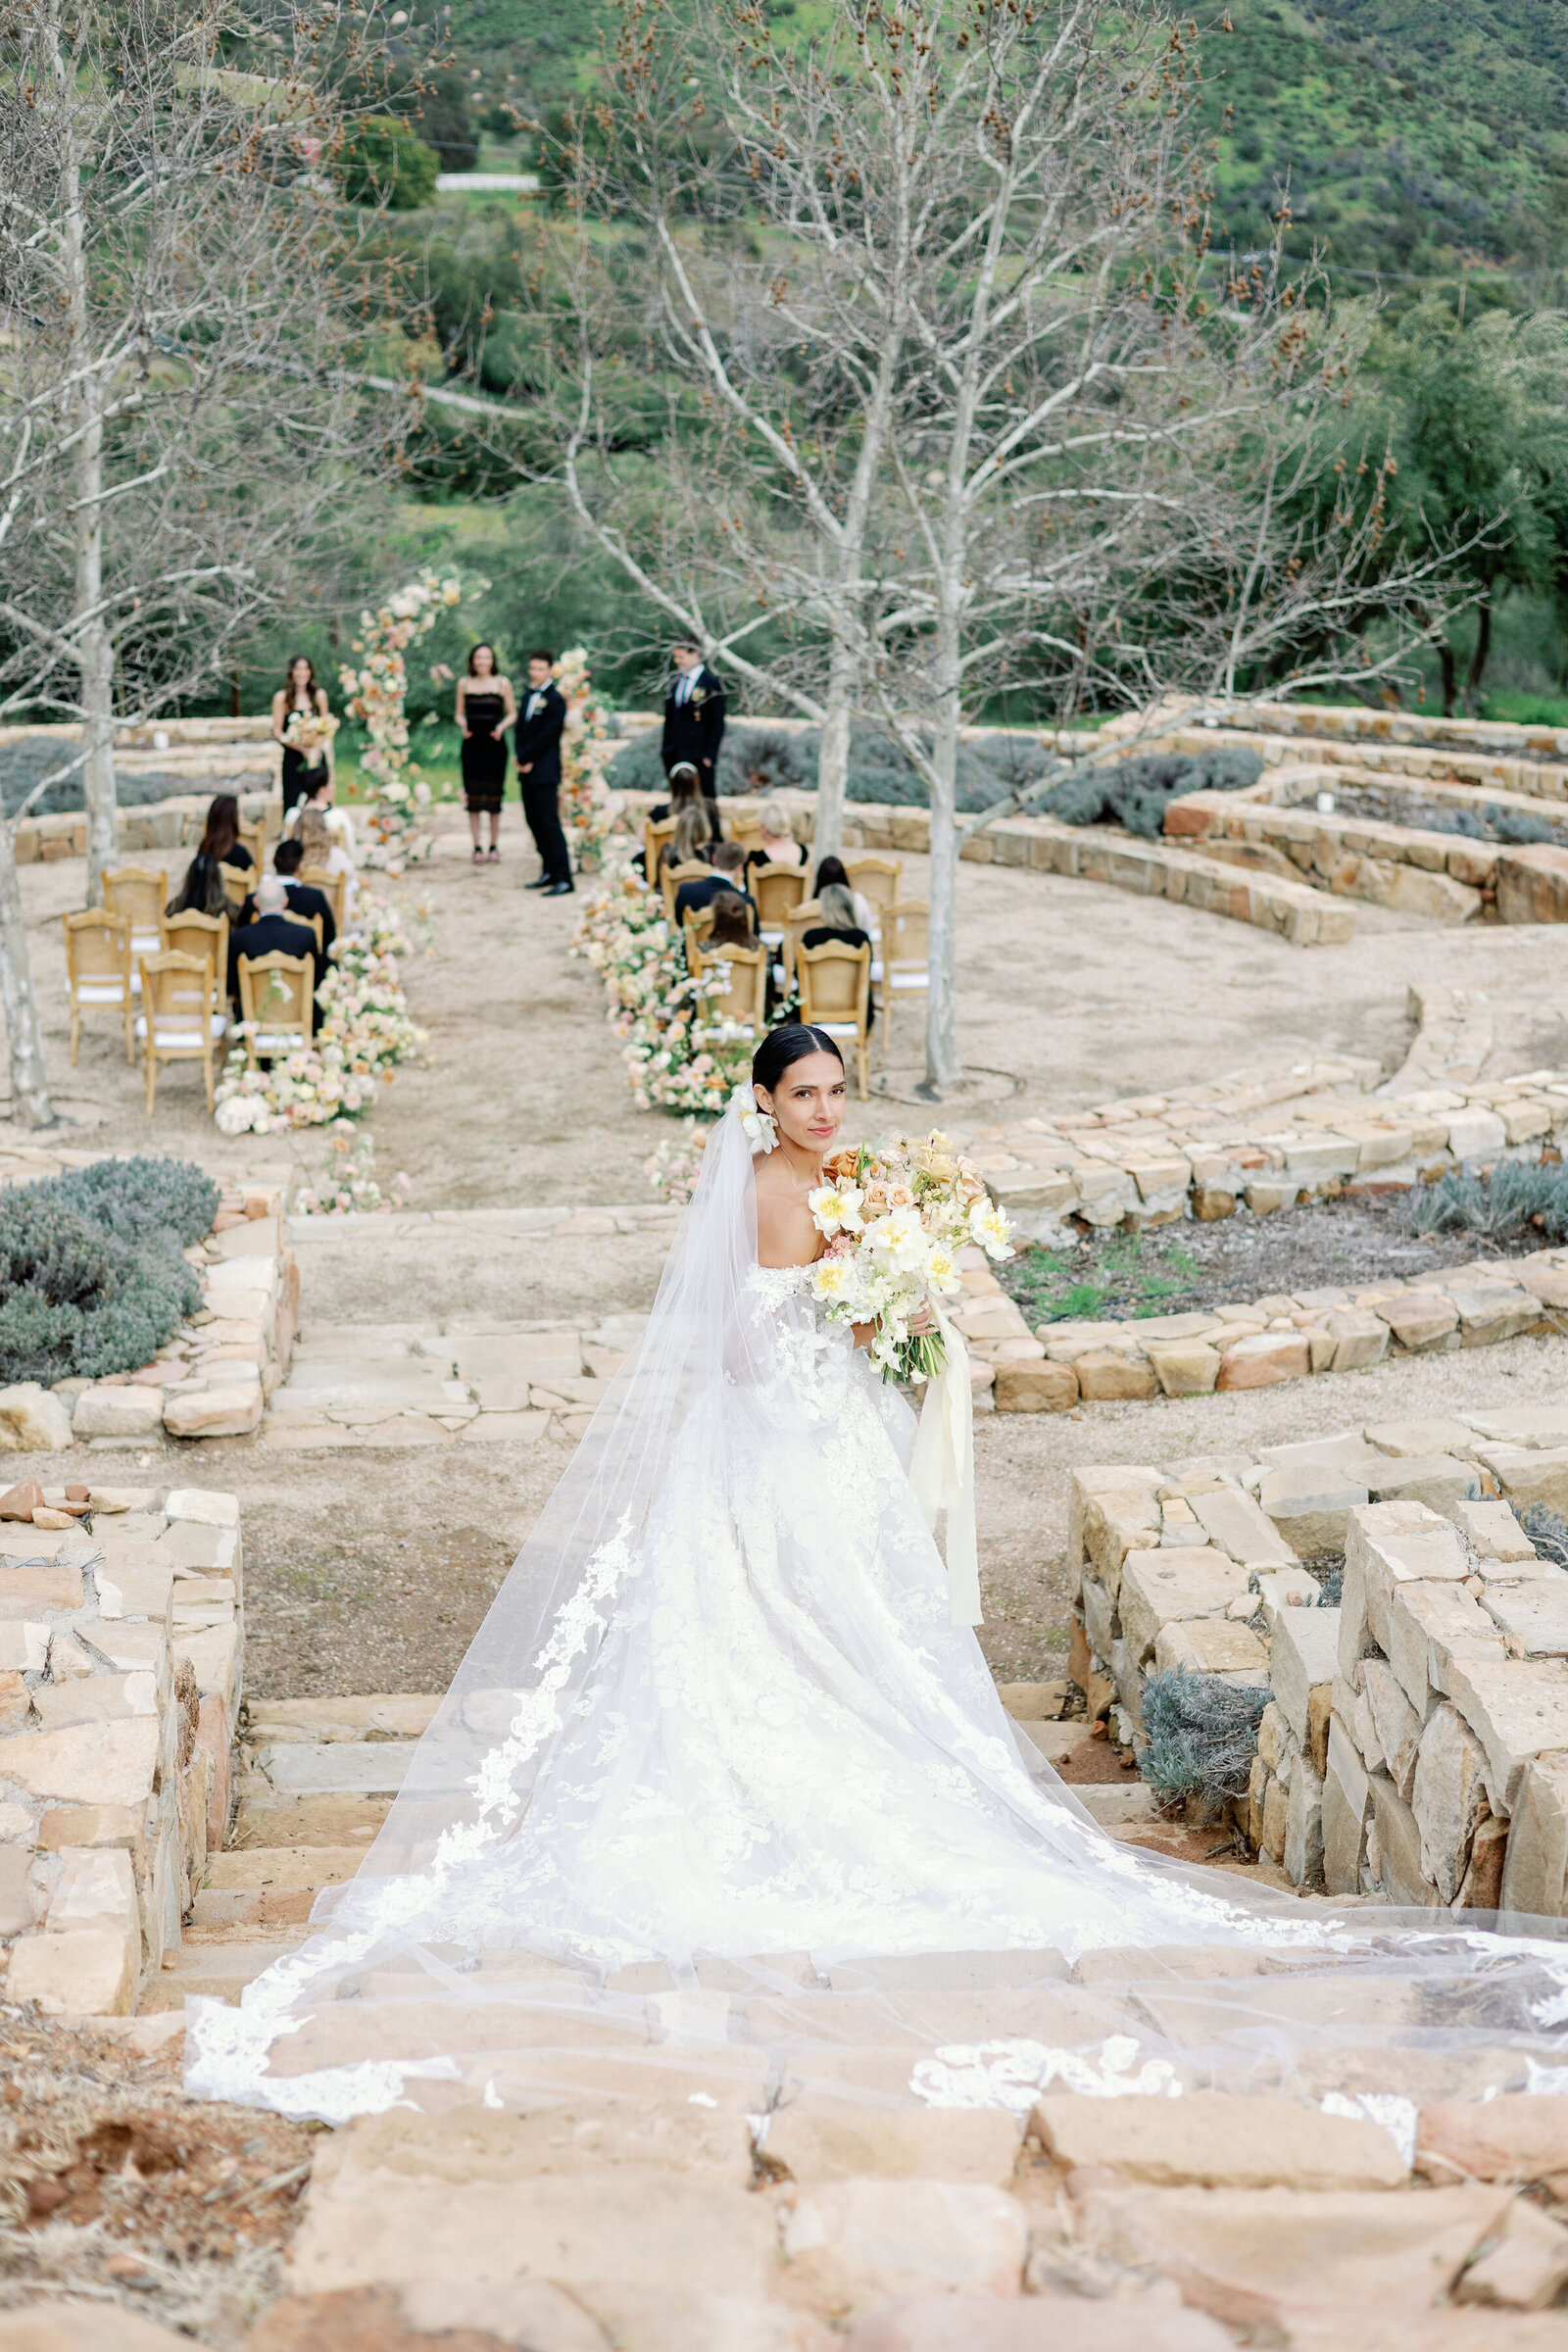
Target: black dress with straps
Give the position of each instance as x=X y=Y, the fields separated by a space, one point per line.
x=485 y=754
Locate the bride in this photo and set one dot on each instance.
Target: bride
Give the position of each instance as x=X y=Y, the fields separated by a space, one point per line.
x=721 y=1786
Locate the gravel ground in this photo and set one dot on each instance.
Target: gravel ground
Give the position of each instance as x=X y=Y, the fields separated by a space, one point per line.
x=1346 y=1244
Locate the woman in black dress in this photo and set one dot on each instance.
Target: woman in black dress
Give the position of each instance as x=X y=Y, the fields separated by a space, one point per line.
x=300 y=699
x=203 y=887
x=485 y=705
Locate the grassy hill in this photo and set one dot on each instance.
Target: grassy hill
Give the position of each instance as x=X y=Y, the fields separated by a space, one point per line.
x=1419 y=138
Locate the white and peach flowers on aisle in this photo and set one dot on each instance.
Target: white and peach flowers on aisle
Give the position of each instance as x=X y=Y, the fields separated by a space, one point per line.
x=365 y=1033
x=895 y=1219
x=347 y=1182
x=588 y=807
x=676 y=1059
x=395 y=813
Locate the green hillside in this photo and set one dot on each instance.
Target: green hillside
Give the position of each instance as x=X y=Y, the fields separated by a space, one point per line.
x=1419 y=138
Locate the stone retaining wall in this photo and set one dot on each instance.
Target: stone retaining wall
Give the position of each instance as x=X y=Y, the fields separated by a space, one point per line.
x=1414 y=1744
x=172 y=824
x=122 y=1629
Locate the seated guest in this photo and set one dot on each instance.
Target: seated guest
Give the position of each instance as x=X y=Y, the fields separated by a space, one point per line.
x=731 y=925
x=273 y=934
x=779 y=845
x=727 y=862
x=686 y=792
x=831 y=874
x=202 y=891
x=841 y=908
x=689 y=841
x=304 y=899
x=324 y=843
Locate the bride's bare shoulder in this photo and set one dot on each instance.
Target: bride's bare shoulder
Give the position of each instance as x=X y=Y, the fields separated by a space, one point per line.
x=786 y=1235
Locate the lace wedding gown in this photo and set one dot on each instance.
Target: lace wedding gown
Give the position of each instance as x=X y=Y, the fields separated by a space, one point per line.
x=720 y=1737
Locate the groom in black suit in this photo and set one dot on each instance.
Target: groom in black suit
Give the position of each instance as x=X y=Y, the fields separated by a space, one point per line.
x=536 y=741
x=694 y=717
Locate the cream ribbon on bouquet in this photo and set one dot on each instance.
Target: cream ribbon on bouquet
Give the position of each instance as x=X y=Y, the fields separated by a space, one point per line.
x=942 y=1468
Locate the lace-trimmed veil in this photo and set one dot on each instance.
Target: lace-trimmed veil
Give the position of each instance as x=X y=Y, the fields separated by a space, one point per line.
x=981 y=1880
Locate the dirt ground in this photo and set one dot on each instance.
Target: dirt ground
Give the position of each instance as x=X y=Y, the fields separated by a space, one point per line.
x=1077 y=990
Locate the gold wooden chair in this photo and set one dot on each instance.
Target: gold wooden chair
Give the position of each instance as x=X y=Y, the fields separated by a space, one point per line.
x=238 y=883
x=315 y=923
x=905 y=971
x=797 y=923
x=177 y=1020
x=746 y=998
x=836 y=996
x=138 y=891
x=332 y=887
x=274 y=1001
x=878 y=879
x=697 y=927
x=776 y=889
x=191 y=934
x=655 y=832
x=742 y=825
x=671 y=880
x=98 y=969
x=252 y=836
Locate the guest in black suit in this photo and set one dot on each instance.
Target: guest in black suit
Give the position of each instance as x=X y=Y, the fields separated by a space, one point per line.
x=273 y=934
x=303 y=898
x=728 y=861
x=694 y=717
x=537 y=742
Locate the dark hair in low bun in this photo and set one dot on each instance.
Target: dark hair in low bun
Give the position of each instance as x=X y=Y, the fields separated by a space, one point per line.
x=790 y=1042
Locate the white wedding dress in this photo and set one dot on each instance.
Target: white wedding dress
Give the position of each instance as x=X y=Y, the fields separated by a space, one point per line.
x=718 y=1740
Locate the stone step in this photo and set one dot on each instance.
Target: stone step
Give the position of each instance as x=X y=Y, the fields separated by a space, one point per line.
x=220 y=1969
x=265 y=1819
x=383 y=1715
x=333 y=1767
x=251 y=1889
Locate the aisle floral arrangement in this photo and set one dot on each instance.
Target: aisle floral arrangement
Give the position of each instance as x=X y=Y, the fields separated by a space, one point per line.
x=347 y=1182
x=587 y=805
x=395 y=813
x=365 y=1033
x=674 y=1059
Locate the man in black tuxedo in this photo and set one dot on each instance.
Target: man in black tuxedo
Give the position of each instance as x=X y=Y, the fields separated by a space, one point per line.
x=727 y=860
x=273 y=934
x=303 y=899
x=694 y=717
x=536 y=740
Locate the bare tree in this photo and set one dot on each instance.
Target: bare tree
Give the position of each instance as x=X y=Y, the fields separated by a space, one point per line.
x=180 y=291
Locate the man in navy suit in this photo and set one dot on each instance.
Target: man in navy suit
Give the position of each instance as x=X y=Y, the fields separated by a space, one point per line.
x=272 y=933
x=694 y=717
x=536 y=741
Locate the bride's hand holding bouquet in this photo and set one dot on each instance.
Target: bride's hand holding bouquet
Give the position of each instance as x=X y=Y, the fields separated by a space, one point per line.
x=895 y=1220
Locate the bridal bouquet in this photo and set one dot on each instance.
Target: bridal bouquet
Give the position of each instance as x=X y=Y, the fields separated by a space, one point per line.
x=895 y=1219
x=307 y=732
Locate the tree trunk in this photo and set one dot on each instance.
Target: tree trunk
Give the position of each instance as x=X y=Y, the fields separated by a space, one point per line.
x=1478 y=661
x=30 y=1105
x=1451 y=683
x=833 y=758
x=95 y=653
x=942 y=1069
x=97 y=669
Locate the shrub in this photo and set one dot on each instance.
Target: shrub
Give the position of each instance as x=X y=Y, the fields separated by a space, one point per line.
x=93 y=1279
x=385 y=162
x=1202 y=1735
x=1518 y=1193
x=1136 y=793
x=1547 y=1530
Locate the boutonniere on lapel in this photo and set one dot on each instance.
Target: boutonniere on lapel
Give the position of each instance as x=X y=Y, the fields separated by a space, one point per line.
x=698 y=694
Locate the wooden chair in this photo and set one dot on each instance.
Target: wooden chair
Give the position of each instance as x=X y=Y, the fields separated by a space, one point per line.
x=776 y=889
x=746 y=998
x=743 y=826
x=191 y=934
x=315 y=922
x=655 y=832
x=238 y=883
x=878 y=879
x=835 y=995
x=797 y=923
x=274 y=1001
x=254 y=838
x=697 y=927
x=98 y=969
x=332 y=887
x=671 y=880
x=906 y=968
x=138 y=891
x=178 y=1022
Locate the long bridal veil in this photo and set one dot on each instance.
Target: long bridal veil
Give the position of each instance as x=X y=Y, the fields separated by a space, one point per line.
x=720 y=1806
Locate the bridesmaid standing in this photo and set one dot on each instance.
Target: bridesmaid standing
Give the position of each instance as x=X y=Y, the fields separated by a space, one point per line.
x=300 y=695
x=485 y=705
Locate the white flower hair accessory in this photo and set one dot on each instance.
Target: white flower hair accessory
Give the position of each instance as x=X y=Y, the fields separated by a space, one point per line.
x=759 y=1129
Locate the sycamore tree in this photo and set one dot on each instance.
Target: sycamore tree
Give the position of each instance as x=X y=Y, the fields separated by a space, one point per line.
x=898 y=341
x=182 y=446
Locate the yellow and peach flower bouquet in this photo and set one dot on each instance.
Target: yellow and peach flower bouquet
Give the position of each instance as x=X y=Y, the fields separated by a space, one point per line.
x=895 y=1219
